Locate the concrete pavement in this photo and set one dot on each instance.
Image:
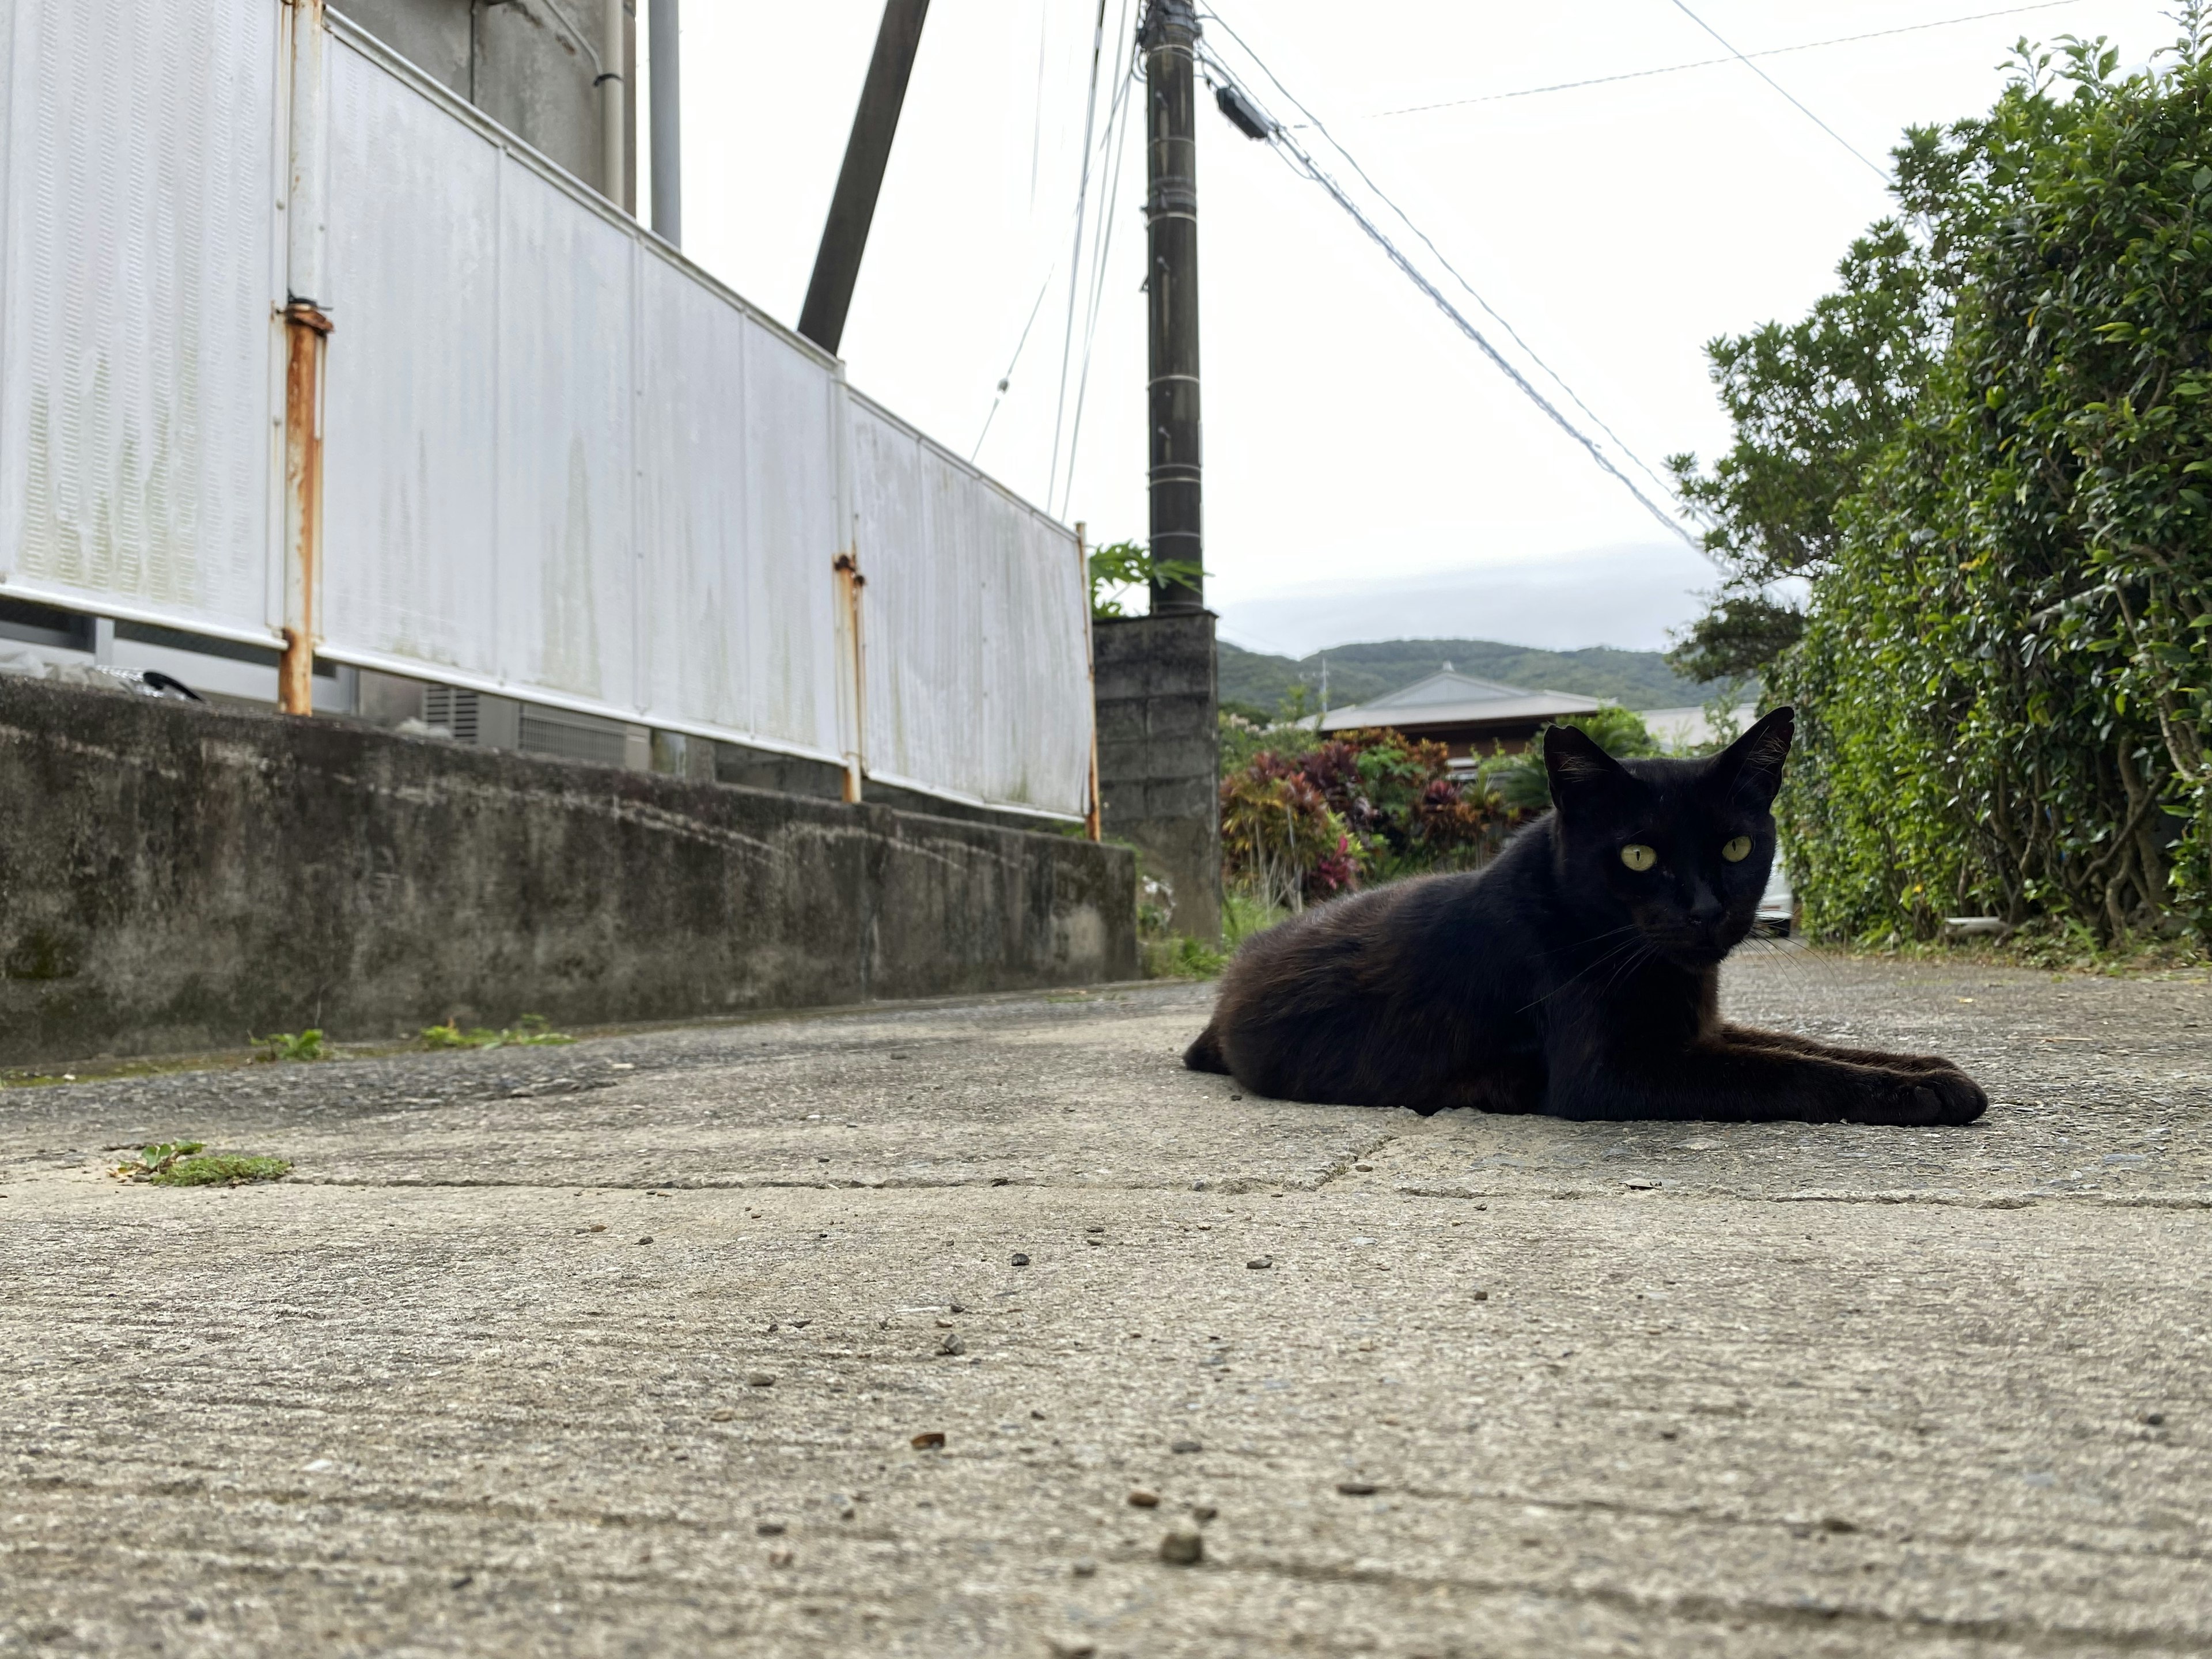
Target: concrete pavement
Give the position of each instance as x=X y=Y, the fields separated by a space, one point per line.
x=622 y=1348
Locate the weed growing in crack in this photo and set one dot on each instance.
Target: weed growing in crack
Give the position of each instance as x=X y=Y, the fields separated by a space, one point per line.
x=188 y=1163
x=284 y=1045
x=530 y=1030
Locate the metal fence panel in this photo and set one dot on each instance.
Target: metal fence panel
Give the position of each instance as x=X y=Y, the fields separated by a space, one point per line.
x=792 y=532
x=566 y=578
x=976 y=648
x=137 y=295
x=559 y=463
x=411 y=419
x=737 y=519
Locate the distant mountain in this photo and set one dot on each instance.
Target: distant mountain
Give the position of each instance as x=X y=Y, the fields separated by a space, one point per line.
x=1637 y=679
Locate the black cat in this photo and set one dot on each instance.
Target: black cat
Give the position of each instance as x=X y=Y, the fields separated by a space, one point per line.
x=1577 y=975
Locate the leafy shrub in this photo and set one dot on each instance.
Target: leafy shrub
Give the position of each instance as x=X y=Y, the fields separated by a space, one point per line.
x=1990 y=458
x=1301 y=827
x=1519 y=781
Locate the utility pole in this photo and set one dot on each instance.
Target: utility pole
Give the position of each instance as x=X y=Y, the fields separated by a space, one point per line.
x=1155 y=678
x=1171 y=32
x=667 y=123
x=853 y=209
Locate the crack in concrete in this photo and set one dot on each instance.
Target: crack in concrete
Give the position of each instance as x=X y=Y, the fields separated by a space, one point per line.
x=1343 y=1166
x=1703 y=1607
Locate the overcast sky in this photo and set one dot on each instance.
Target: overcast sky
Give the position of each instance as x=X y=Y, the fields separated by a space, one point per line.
x=1369 y=475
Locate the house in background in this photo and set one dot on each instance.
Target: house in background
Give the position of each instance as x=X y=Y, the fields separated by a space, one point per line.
x=1472 y=718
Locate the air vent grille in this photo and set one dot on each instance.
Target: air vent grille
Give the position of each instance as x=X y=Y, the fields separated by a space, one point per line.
x=453 y=708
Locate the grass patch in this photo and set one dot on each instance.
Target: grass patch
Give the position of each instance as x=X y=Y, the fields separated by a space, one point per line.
x=1180 y=956
x=189 y=1163
x=222 y=1169
x=532 y=1031
x=1244 y=913
x=286 y=1045
x=2050 y=946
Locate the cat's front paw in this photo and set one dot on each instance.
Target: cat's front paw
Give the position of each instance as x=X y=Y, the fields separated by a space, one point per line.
x=1935 y=1097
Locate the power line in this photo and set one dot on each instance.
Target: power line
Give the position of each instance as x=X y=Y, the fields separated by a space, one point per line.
x=1043 y=288
x=1037 y=127
x=1037 y=306
x=1075 y=259
x=1302 y=161
x=1117 y=137
x=1880 y=172
x=1315 y=123
x=1710 y=62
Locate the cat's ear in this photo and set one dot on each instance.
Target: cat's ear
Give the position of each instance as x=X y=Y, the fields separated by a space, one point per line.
x=1750 y=768
x=1578 y=769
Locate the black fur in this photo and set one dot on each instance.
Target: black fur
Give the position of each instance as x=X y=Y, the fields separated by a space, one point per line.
x=1558 y=980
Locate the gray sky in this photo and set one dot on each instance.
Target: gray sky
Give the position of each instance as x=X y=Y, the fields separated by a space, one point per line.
x=1369 y=474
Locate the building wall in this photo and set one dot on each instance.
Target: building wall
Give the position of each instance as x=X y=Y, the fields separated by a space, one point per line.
x=173 y=878
x=526 y=64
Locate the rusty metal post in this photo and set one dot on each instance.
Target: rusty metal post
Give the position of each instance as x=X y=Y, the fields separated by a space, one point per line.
x=1093 y=824
x=850 y=581
x=307 y=326
x=305 y=330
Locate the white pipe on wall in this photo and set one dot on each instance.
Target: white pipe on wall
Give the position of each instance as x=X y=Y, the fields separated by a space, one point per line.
x=667 y=122
x=614 y=147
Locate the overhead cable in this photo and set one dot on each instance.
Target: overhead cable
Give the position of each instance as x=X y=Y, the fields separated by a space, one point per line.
x=1304 y=163
x=1243 y=119
x=1881 y=172
x=1075 y=260
x=1006 y=379
x=1710 y=62
x=1037 y=306
x=1301 y=160
x=1117 y=137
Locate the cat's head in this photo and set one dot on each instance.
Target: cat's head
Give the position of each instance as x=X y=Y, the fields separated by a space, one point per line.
x=1679 y=848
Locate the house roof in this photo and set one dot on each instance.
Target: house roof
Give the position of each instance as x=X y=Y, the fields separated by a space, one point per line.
x=1448 y=698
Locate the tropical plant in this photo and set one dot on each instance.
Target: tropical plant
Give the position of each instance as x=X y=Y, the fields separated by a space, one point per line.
x=1120 y=566
x=1305 y=824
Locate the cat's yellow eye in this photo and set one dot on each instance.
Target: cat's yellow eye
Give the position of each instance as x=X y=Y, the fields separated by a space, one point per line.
x=1637 y=856
x=1736 y=851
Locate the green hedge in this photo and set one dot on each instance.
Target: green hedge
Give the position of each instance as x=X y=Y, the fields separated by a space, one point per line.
x=2001 y=663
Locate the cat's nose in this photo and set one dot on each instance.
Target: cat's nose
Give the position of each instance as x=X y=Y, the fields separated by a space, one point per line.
x=1705 y=911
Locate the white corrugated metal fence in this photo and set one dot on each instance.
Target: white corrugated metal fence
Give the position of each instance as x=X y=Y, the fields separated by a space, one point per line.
x=561 y=463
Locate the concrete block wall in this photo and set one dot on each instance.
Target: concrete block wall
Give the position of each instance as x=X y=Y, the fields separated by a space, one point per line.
x=1159 y=764
x=174 y=877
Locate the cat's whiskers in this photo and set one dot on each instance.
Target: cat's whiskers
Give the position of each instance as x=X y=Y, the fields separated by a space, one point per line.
x=1591 y=967
x=1595 y=938
x=1628 y=967
x=1800 y=960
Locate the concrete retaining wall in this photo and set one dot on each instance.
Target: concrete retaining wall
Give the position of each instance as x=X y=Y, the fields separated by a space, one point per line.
x=173 y=879
x=1159 y=755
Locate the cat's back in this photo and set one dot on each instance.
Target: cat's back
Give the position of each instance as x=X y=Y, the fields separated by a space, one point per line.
x=1387 y=932
x=1330 y=1004
x=1347 y=944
